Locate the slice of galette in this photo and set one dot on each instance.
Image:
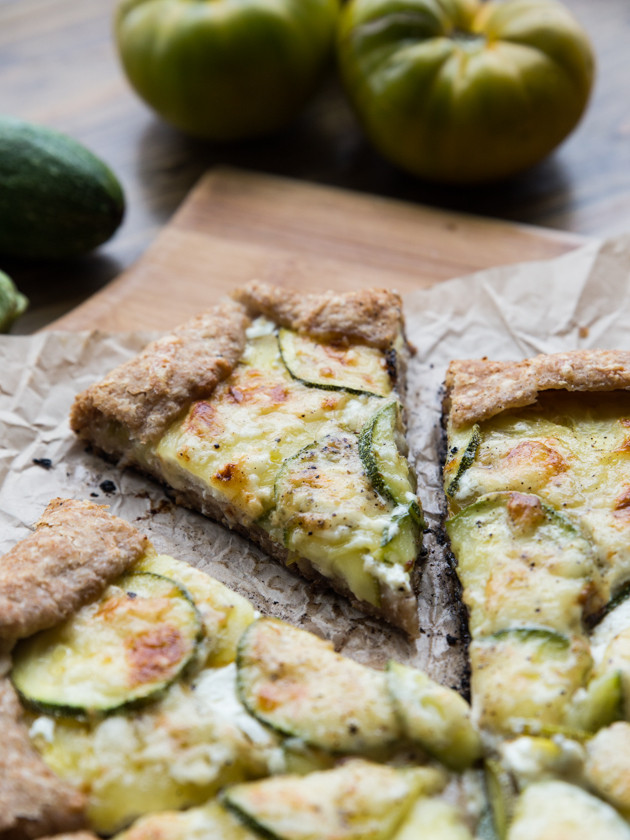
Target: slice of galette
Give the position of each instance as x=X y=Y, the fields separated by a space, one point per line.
x=281 y=415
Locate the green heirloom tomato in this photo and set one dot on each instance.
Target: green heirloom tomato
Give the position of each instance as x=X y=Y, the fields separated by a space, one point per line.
x=225 y=69
x=464 y=91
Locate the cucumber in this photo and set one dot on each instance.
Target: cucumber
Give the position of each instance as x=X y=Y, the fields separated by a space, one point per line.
x=124 y=648
x=356 y=368
x=434 y=717
x=383 y=448
x=57 y=199
x=356 y=801
x=297 y=684
x=12 y=302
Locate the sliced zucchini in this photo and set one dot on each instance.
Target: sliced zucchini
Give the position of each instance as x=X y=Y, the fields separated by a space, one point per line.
x=554 y=810
x=401 y=540
x=126 y=647
x=296 y=683
x=613 y=620
x=435 y=819
x=383 y=450
x=356 y=368
x=357 y=801
x=620 y=597
x=328 y=511
x=523 y=679
x=460 y=459
x=601 y=703
x=606 y=767
x=501 y=794
x=172 y=754
x=212 y=820
x=224 y=613
x=610 y=646
x=522 y=562
x=434 y=717
x=234 y=443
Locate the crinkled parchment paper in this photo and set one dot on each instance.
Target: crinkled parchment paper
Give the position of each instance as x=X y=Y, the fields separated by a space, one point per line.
x=579 y=300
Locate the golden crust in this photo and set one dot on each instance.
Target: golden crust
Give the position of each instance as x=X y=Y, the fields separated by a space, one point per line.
x=74 y=553
x=373 y=316
x=147 y=393
x=478 y=389
x=33 y=801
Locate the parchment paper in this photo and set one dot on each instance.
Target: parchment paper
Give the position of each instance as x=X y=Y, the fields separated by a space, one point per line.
x=579 y=300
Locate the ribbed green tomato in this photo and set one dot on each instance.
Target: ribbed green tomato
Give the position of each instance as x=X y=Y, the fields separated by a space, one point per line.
x=225 y=69
x=464 y=91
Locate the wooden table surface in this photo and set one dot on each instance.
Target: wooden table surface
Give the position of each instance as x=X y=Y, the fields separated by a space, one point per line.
x=58 y=67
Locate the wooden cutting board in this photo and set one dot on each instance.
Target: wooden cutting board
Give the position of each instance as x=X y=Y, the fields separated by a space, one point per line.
x=235 y=226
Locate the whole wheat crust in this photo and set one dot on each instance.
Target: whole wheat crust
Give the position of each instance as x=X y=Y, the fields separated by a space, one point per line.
x=33 y=801
x=373 y=316
x=75 y=551
x=71 y=557
x=478 y=389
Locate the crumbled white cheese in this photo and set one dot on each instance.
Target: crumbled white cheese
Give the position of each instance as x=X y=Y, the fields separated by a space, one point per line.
x=261 y=326
x=43 y=727
x=357 y=411
x=392 y=574
x=215 y=690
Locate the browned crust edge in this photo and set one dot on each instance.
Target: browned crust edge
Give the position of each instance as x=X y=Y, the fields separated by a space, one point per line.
x=146 y=394
x=372 y=316
x=76 y=550
x=33 y=801
x=478 y=389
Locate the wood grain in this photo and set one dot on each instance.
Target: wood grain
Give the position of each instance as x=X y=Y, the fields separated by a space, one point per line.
x=58 y=66
x=236 y=226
